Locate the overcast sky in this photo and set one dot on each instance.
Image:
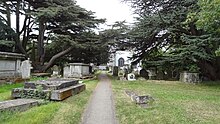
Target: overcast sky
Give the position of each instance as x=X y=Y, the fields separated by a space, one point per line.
x=112 y=10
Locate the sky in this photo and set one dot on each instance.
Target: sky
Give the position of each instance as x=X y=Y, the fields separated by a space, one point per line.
x=112 y=10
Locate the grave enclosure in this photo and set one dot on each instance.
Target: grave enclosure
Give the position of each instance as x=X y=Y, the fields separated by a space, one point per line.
x=76 y=70
x=10 y=66
x=52 y=89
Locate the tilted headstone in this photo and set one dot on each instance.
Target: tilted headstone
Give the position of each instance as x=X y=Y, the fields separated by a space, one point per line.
x=26 y=69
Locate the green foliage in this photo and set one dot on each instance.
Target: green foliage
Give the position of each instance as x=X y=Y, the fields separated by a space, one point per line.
x=209 y=16
x=166 y=34
x=5 y=90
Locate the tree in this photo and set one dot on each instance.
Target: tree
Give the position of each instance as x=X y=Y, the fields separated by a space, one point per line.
x=64 y=20
x=166 y=34
x=58 y=22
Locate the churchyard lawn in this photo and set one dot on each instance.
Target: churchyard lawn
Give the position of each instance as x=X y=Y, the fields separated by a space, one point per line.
x=175 y=102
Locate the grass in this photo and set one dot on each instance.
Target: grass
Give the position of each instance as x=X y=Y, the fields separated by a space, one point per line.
x=5 y=90
x=68 y=111
x=175 y=103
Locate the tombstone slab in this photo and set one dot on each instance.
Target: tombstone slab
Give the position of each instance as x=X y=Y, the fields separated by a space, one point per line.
x=18 y=104
x=67 y=92
x=53 y=89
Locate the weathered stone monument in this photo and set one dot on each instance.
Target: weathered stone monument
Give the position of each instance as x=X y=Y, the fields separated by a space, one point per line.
x=152 y=74
x=53 y=89
x=115 y=71
x=26 y=69
x=189 y=77
x=10 y=65
x=76 y=70
x=55 y=71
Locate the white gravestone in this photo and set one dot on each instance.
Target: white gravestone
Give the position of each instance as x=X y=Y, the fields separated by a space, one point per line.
x=131 y=77
x=26 y=69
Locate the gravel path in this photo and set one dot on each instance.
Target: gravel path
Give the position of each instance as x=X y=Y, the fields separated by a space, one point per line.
x=101 y=109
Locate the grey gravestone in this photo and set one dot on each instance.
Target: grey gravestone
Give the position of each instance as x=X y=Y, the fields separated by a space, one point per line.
x=55 y=70
x=66 y=72
x=115 y=71
x=26 y=69
x=189 y=77
x=152 y=74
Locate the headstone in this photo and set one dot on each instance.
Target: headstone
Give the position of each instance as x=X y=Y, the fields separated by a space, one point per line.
x=26 y=69
x=144 y=73
x=160 y=75
x=90 y=69
x=152 y=74
x=115 y=71
x=131 y=77
x=66 y=72
x=55 y=70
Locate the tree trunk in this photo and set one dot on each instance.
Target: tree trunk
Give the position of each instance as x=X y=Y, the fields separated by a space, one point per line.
x=58 y=55
x=40 y=43
x=18 y=46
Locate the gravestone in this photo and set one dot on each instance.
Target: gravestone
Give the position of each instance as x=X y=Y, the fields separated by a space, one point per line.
x=66 y=72
x=55 y=70
x=131 y=77
x=115 y=71
x=52 y=89
x=26 y=69
x=189 y=77
x=144 y=73
x=152 y=74
x=160 y=75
